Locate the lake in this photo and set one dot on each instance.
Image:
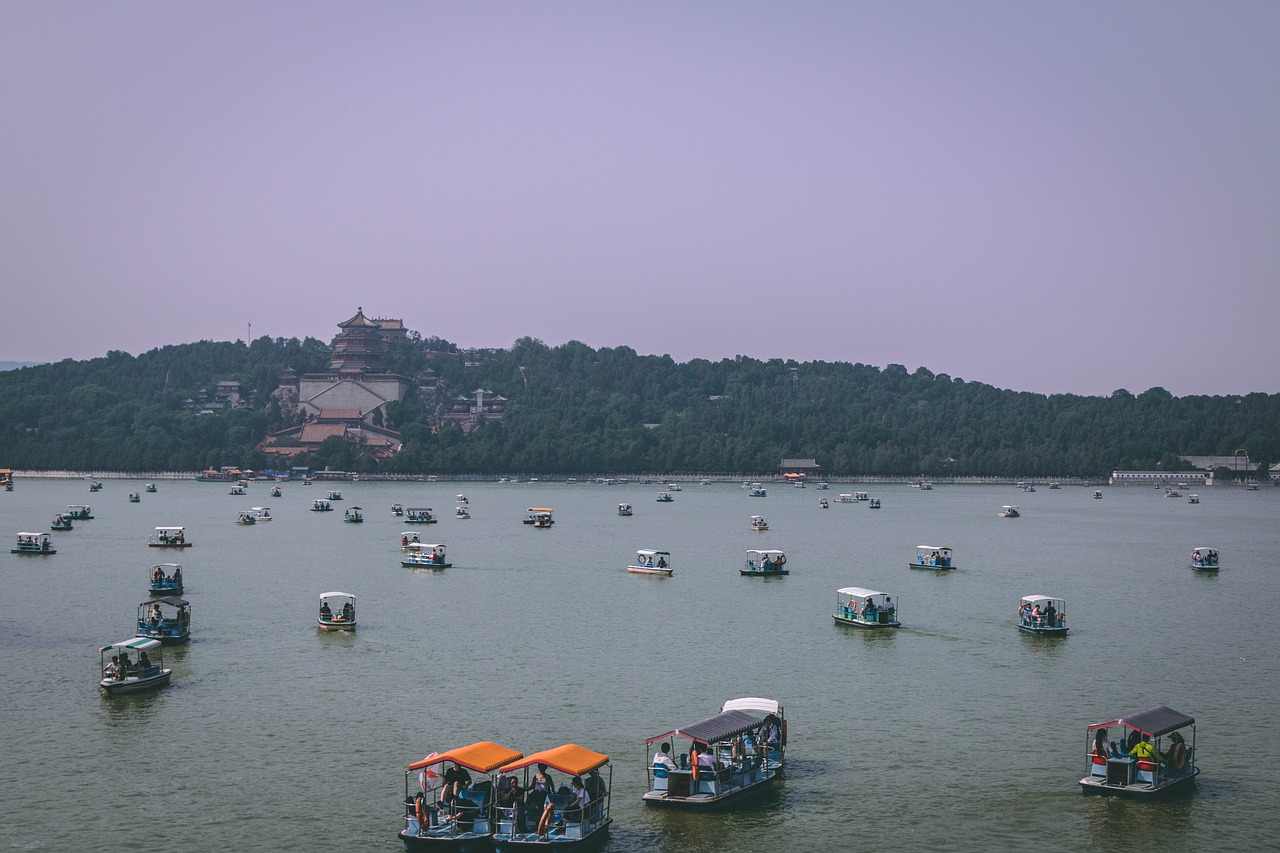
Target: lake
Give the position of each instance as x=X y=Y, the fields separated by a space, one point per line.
x=955 y=732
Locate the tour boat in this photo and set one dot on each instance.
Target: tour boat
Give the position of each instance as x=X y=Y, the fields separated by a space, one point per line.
x=462 y=499
x=461 y=513
x=759 y=524
x=845 y=498
x=262 y=513
x=335 y=495
x=762 y=563
x=704 y=482
x=745 y=757
x=34 y=543
x=419 y=515
x=866 y=608
x=79 y=512
x=1097 y=494
x=319 y=505
x=166 y=579
x=466 y=824
x=874 y=503
x=246 y=517
x=624 y=509
x=165 y=619
x=1172 y=493
x=353 y=515
x=1193 y=499
x=1051 y=620
x=651 y=562
x=426 y=556
x=1009 y=512
x=397 y=510
x=933 y=557
x=1150 y=754
x=822 y=503
x=757 y=491
x=1204 y=559
x=60 y=522
x=540 y=517
x=169 y=537
x=860 y=497
x=337 y=612
x=134 y=498
x=571 y=827
x=123 y=675
x=664 y=498
x=150 y=487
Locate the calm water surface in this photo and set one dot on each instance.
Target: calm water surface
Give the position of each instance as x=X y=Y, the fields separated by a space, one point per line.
x=956 y=732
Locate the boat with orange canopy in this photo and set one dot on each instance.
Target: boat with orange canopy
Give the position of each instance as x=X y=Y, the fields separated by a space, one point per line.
x=570 y=826
x=465 y=823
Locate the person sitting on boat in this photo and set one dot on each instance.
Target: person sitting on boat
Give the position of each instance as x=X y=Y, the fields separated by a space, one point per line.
x=112 y=670
x=349 y=614
x=126 y=666
x=1177 y=755
x=663 y=758
x=326 y=612
x=868 y=609
x=144 y=663
x=404 y=540
x=1024 y=613
x=157 y=574
x=155 y=615
x=577 y=810
x=455 y=779
x=888 y=604
x=1144 y=750
x=509 y=797
x=770 y=732
x=662 y=562
x=706 y=758
x=1036 y=616
x=1100 y=747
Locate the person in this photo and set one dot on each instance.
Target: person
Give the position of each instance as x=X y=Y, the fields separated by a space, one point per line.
x=707 y=759
x=1036 y=616
x=325 y=612
x=770 y=733
x=1024 y=613
x=1050 y=615
x=663 y=758
x=157 y=574
x=868 y=609
x=888 y=604
x=144 y=662
x=662 y=562
x=349 y=612
x=595 y=785
x=581 y=799
x=1144 y=750
x=509 y=798
x=455 y=779
x=544 y=784
x=112 y=670
x=1100 y=747
x=155 y=615
x=177 y=575
x=404 y=540
x=126 y=665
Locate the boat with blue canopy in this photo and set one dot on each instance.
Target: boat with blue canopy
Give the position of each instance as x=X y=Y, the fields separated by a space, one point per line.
x=34 y=543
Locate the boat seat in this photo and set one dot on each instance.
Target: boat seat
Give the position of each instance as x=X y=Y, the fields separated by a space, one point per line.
x=1098 y=770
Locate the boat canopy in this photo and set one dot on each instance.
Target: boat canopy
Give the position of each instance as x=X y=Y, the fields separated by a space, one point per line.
x=652 y=553
x=169 y=600
x=570 y=758
x=1037 y=599
x=178 y=529
x=1205 y=549
x=541 y=509
x=754 y=703
x=483 y=757
x=938 y=548
x=334 y=594
x=1154 y=722
x=713 y=729
x=857 y=592
x=760 y=554
x=137 y=643
x=166 y=566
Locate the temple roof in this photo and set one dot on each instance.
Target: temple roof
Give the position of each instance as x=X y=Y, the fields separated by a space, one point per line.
x=359 y=320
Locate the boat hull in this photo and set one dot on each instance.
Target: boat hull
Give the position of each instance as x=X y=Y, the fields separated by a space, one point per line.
x=33 y=553
x=763 y=574
x=134 y=685
x=1142 y=791
x=335 y=626
x=930 y=568
x=463 y=842
x=650 y=570
x=707 y=802
x=410 y=564
x=169 y=544
x=1043 y=632
x=530 y=841
x=858 y=623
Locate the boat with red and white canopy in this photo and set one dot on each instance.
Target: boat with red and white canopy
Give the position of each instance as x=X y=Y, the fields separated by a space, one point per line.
x=1151 y=754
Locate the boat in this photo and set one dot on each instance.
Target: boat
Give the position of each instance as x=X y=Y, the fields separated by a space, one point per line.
x=1042 y=614
x=354 y=515
x=319 y=505
x=1252 y=487
x=845 y=498
x=569 y=827
x=865 y=608
x=165 y=619
x=95 y=486
x=762 y=563
x=624 y=509
x=822 y=504
x=306 y=481
x=169 y=537
x=933 y=557
x=1204 y=559
x=1150 y=756
x=337 y=612
x=462 y=499
x=540 y=516
x=60 y=522
x=419 y=515
x=466 y=824
x=334 y=495
x=926 y=487
x=673 y=487
x=150 y=488
x=799 y=484
x=461 y=513
x=1172 y=493
x=34 y=543
x=651 y=562
x=166 y=579
x=425 y=556
x=1029 y=487
x=759 y=524
x=134 y=498
x=237 y=490
x=275 y=491
x=757 y=491
x=1009 y=512
x=664 y=498
x=246 y=517
x=823 y=487
x=743 y=755
x=79 y=512
x=1055 y=486
x=1193 y=499
x=859 y=497
x=122 y=675
x=704 y=482
x=262 y=513
x=874 y=503
x=397 y=510
x=1182 y=485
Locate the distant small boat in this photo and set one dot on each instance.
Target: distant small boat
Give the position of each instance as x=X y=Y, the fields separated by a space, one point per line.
x=822 y=503
x=150 y=487
x=757 y=491
x=337 y=612
x=34 y=543
x=933 y=557
x=246 y=518
x=122 y=675
x=1097 y=494
x=651 y=562
x=60 y=522
x=624 y=509
x=275 y=491
x=664 y=498
x=1042 y=614
x=397 y=510
x=165 y=619
x=321 y=506
x=166 y=579
x=462 y=513
x=759 y=524
x=426 y=556
x=874 y=503
x=134 y=498
x=762 y=563
x=169 y=537
x=865 y=608
x=419 y=515
x=354 y=515
x=1009 y=512
x=1193 y=499
x=1204 y=559
x=335 y=495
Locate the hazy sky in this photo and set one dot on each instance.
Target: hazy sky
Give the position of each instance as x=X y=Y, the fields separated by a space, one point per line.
x=1047 y=196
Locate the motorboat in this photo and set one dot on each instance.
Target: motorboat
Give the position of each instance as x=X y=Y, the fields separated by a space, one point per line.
x=337 y=612
x=60 y=522
x=1029 y=487
x=246 y=517
x=859 y=497
x=1043 y=614
x=34 y=543
x=799 y=484
x=135 y=498
x=166 y=579
x=759 y=524
x=150 y=488
x=1151 y=754
x=79 y=512
x=466 y=824
x=569 y=826
x=165 y=619
x=462 y=499
x=419 y=515
x=1172 y=493
x=845 y=498
x=410 y=541
x=1009 y=512
x=120 y=674
x=704 y=482
x=1204 y=559
x=624 y=509
x=462 y=513
x=822 y=504
x=169 y=537
x=651 y=562
x=865 y=608
x=353 y=515
x=1097 y=494
x=540 y=517
x=397 y=510
x=874 y=503
x=730 y=756
x=1193 y=499
x=321 y=505
x=763 y=563
x=426 y=556
x=757 y=491
x=933 y=557
x=664 y=498
x=334 y=495
x=262 y=513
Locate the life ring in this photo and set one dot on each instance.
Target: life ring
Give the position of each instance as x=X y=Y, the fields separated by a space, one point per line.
x=781 y=561
x=1178 y=757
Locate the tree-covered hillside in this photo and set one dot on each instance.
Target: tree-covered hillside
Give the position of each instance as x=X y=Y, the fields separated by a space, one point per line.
x=578 y=410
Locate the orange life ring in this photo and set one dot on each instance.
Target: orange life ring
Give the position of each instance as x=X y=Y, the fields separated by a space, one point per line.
x=1178 y=757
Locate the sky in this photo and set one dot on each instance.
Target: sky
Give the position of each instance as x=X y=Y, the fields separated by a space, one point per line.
x=1044 y=196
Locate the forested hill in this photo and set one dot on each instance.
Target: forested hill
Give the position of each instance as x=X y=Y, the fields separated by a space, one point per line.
x=578 y=410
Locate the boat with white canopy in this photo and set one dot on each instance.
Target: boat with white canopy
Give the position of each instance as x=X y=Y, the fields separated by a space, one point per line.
x=121 y=674
x=866 y=608
x=934 y=557
x=426 y=556
x=762 y=562
x=1042 y=614
x=651 y=562
x=337 y=611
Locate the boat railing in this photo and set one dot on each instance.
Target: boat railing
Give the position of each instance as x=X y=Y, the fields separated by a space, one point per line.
x=1041 y=622
x=880 y=616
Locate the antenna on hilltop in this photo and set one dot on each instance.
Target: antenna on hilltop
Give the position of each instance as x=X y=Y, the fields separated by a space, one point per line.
x=249 y=335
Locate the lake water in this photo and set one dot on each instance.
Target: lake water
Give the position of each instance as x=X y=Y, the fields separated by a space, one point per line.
x=956 y=732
